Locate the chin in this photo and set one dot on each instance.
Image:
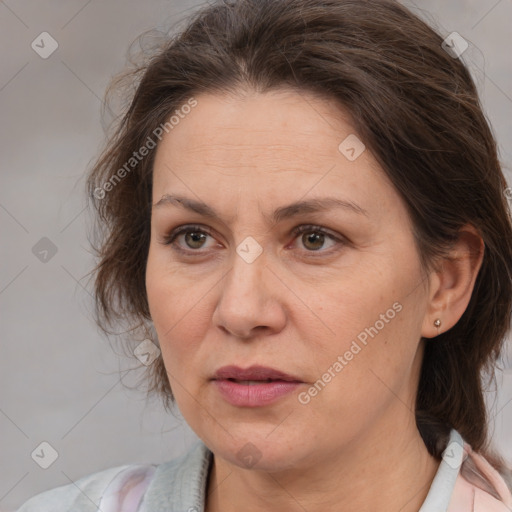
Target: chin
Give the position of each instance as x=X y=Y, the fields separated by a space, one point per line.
x=255 y=449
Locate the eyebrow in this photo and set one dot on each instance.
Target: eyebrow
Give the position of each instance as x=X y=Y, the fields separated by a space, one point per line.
x=284 y=212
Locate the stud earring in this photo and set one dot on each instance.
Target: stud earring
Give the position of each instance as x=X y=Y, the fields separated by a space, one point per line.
x=437 y=323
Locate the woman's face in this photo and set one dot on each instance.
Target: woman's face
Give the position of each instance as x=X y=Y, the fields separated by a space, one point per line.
x=339 y=308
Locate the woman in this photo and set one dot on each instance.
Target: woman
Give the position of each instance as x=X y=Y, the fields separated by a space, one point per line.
x=304 y=205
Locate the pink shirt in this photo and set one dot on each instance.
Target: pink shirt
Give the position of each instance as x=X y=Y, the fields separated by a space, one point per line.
x=469 y=496
x=466 y=482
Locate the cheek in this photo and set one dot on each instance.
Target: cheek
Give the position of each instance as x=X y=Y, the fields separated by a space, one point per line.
x=165 y=308
x=177 y=308
x=353 y=302
x=374 y=315
x=168 y=294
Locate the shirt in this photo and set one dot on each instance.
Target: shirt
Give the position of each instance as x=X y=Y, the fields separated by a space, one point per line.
x=180 y=485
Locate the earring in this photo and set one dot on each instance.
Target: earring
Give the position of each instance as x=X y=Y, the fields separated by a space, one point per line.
x=437 y=323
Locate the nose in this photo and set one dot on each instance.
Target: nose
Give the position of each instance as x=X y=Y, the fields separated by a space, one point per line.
x=251 y=300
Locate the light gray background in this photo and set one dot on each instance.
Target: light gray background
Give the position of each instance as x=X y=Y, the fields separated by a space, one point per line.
x=60 y=380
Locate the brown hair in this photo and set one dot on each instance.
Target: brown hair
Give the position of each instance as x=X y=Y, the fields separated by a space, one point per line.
x=415 y=107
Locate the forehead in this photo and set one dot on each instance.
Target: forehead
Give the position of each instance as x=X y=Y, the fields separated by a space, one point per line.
x=265 y=146
x=276 y=124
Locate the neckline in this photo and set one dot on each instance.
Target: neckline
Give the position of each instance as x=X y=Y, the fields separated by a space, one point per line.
x=181 y=484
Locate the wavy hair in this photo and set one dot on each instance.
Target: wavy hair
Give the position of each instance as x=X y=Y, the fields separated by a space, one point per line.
x=417 y=109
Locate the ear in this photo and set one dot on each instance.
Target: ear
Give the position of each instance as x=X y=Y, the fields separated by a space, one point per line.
x=452 y=284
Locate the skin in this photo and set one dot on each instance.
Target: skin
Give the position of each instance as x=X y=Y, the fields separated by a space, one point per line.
x=294 y=308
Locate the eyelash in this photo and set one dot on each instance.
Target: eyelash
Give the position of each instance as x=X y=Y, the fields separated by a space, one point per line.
x=304 y=228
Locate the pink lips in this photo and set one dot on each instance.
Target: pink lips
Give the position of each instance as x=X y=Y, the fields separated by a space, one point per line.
x=268 y=385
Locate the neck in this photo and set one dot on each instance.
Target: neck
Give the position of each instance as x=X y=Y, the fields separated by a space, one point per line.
x=385 y=472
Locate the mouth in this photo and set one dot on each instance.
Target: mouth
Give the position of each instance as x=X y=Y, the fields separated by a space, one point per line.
x=257 y=386
x=253 y=382
x=253 y=375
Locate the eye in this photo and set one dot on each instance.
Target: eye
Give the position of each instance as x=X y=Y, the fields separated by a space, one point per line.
x=195 y=237
x=314 y=237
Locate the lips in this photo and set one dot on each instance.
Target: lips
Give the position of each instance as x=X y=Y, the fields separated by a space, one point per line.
x=253 y=375
x=257 y=386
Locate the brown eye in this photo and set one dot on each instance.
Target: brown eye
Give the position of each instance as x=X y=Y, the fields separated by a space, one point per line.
x=195 y=239
x=313 y=240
